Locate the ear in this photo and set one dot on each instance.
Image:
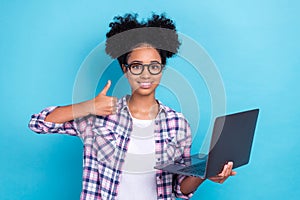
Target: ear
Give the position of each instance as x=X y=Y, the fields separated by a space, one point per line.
x=124 y=69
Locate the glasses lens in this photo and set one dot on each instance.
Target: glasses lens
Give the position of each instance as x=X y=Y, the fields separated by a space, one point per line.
x=155 y=68
x=136 y=68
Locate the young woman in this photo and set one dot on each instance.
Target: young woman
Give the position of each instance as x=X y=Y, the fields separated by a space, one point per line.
x=124 y=139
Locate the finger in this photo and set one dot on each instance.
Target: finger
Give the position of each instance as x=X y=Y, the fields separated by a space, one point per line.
x=106 y=88
x=227 y=171
x=111 y=111
x=115 y=108
x=216 y=178
x=113 y=101
x=112 y=108
x=222 y=181
x=114 y=111
x=229 y=168
x=107 y=113
x=222 y=174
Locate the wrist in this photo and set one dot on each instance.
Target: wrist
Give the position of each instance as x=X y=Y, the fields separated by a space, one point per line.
x=195 y=180
x=190 y=184
x=83 y=109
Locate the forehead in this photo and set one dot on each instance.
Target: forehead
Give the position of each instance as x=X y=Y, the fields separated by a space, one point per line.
x=144 y=54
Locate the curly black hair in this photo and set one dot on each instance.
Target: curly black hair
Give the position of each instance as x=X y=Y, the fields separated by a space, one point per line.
x=127 y=33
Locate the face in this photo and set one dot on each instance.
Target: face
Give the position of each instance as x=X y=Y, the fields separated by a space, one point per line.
x=145 y=83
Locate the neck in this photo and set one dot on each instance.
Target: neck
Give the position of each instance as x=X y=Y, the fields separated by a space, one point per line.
x=143 y=107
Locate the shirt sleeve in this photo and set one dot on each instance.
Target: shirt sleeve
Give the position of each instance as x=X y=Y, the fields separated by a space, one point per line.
x=185 y=140
x=39 y=125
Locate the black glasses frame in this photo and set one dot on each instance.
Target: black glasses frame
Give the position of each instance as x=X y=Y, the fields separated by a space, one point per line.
x=128 y=66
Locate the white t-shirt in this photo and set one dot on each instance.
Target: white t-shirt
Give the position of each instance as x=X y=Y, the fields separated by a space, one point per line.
x=138 y=180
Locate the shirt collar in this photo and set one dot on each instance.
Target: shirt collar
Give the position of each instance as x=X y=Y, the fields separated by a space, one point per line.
x=124 y=106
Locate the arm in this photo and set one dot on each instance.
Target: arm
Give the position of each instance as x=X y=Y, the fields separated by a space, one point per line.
x=190 y=183
x=68 y=113
x=100 y=105
x=185 y=185
x=61 y=119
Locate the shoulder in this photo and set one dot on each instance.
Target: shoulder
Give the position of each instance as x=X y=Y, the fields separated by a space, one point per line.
x=172 y=114
x=176 y=123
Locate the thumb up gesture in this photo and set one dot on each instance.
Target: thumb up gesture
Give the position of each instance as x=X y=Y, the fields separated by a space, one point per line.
x=104 y=105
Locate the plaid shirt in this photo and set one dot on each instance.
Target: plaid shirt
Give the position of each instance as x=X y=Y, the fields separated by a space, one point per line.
x=106 y=140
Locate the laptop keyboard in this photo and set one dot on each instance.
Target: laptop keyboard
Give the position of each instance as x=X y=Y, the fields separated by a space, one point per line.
x=196 y=169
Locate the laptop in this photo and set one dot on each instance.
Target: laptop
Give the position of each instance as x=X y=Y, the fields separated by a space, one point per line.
x=231 y=140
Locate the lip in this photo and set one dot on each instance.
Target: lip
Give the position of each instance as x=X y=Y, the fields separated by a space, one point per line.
x=145 y=85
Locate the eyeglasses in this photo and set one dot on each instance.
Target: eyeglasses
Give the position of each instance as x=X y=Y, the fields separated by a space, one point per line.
x=138 y=68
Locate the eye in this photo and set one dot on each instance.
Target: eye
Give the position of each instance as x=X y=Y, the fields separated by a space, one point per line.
x=155 y=66
x=136 y=66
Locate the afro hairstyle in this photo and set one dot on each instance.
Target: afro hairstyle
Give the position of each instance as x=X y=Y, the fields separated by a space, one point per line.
x=127 y=33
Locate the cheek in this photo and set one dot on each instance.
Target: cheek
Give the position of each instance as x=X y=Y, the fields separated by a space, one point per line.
x=131 y=80
x=129 y=76
x=158 y=78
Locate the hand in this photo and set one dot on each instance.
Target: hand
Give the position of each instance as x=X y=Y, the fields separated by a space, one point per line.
x=227 y=171
x=104 y=105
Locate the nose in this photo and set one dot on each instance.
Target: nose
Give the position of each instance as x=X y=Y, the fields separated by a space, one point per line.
x=145 y=74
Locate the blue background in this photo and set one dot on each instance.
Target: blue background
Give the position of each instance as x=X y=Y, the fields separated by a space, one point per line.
x=255 y=45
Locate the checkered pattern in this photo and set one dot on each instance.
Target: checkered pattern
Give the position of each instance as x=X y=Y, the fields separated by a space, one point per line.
x=106 y=142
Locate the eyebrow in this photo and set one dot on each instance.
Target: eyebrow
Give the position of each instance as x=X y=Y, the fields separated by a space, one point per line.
x=140 y=62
